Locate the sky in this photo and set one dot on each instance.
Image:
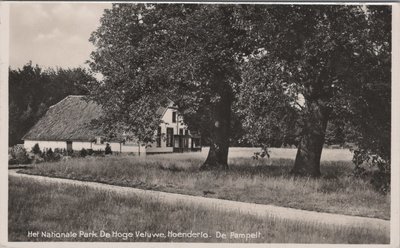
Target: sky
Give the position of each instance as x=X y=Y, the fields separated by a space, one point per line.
x=52 y=34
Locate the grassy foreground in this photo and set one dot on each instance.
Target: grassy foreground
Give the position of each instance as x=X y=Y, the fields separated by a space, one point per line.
x=58 y=208
x=248 y=180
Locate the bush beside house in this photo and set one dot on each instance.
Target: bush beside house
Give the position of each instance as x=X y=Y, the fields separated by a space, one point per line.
x=18 y=155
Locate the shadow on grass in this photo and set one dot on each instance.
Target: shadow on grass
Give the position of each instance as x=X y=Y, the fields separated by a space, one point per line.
x=246 y=167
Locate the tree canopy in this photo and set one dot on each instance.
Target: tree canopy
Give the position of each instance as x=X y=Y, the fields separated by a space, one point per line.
x=326 y=64
x=32 y=90
x=283 y=71
x=190 y=54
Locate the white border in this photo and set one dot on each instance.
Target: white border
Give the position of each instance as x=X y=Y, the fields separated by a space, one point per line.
x=4 y=56
x=395 y=147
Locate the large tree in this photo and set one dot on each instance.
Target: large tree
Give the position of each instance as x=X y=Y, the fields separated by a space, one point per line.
x=190 y=54
x=308 y=61
x=332 y=62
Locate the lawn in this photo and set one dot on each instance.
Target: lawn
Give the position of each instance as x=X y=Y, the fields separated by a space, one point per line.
x=248 y=152
x=58 y=208
x=256 y=181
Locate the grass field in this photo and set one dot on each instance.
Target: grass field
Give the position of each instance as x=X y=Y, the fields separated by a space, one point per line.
x=276 y=153
x=248 y=180
x=60 y=208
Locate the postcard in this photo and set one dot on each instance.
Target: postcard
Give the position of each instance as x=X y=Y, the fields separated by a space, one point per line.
x=199 y=124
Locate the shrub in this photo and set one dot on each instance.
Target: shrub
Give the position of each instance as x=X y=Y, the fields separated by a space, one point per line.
x=90 y=152
x=18 y=155
x=108 y=149
x=83 y=153
x=359 y=172
x=381 y=181
x=99 y=153
x=380 y=178
x=36 y=149
x=48 y=155
x=35 y=158
x=74 y=154
x=60 y=151
x=264 y=152
x=51 y=156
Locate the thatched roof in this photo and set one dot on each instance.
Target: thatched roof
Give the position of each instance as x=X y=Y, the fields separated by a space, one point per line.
x=69 y=119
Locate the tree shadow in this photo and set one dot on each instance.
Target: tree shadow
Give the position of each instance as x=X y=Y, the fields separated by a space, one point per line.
x=331 y=170
x=251 y=167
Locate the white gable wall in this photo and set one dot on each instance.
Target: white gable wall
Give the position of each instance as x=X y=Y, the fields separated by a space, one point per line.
x=167 y=119
x=167 y=123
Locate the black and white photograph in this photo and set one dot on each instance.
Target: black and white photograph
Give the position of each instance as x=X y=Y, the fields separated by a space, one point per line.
x=198 y=123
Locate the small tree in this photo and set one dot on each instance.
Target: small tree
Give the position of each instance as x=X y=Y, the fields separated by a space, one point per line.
x=83 y=153
x=90 y=152
x=36 y=149
x=108 y=149
x=49 y=156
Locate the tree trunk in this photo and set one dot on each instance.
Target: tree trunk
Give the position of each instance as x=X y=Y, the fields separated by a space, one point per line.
x=220 y=133
x=217 y=157
x=308 y=155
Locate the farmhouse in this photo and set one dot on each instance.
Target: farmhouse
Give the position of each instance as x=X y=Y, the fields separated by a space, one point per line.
x=67 y=125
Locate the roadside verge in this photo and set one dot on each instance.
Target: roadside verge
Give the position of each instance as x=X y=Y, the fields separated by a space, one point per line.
x=226 y=205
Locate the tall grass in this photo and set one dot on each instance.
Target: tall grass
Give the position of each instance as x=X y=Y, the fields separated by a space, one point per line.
x=58 y=207
x=247 y=152
x=248 y=180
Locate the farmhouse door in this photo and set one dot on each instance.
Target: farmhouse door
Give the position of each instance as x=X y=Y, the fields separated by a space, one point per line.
x=180 y=141
x=185 y=142
x=69 y=146
x=170 y=137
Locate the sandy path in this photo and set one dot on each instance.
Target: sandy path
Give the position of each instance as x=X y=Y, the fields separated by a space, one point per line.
x=226 y=205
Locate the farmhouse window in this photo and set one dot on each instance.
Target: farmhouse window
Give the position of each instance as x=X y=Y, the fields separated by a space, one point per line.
x=174 y=117
x=181 y=131
x=186 y=132
x=170 y=136
x=99 y=140
x=159 y=137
